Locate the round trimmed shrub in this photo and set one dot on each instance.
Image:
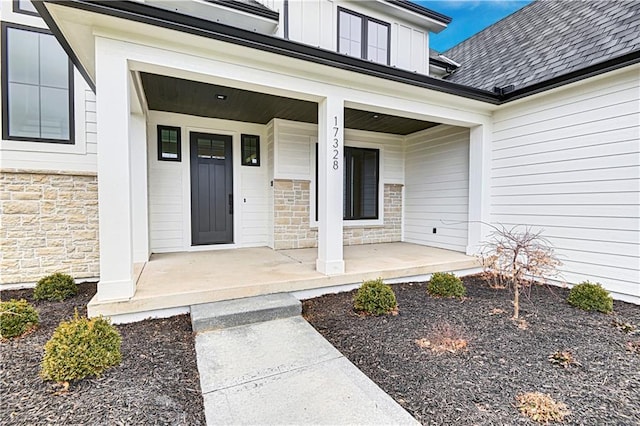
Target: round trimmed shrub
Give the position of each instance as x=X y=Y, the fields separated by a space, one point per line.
x=375 y=297
x=55 y=288
x=80 y=348
x=446 y=285
x=590 y=297
x=16 y=318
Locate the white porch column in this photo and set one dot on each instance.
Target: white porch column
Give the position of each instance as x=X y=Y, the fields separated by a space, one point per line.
x=140 y=216
x=479 y=186
x=114 y=174
x=330 y=185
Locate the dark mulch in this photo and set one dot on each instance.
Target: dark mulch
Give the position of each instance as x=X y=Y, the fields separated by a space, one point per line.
x=157 y=382
x=479 y=386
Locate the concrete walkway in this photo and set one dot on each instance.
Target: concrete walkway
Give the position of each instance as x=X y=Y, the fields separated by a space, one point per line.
x=279 y=370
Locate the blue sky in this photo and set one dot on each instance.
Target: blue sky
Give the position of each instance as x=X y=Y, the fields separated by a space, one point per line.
x=469 y=17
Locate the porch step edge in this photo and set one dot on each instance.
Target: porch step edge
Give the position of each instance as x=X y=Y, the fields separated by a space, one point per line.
x=248 y=310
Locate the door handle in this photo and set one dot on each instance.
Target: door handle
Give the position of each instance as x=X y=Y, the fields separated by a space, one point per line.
x=230 y=203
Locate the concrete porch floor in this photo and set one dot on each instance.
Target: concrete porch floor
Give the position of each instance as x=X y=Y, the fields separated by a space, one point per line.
x=175 y=280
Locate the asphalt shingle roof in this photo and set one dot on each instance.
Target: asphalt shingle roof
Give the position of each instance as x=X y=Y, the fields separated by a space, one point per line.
x=545 y=39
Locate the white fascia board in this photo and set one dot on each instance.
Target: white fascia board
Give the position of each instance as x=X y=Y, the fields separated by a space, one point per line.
x=217 y=12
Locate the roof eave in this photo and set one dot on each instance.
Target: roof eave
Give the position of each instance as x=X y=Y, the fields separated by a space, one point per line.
x=141 y=13
x=573 y=76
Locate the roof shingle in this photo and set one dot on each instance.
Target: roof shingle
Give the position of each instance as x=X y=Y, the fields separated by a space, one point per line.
x=547 y=38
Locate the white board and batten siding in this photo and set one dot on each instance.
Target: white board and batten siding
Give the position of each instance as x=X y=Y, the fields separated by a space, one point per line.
x=315 y=22
x=437 y=187
x=569 y=163
x=169 y=186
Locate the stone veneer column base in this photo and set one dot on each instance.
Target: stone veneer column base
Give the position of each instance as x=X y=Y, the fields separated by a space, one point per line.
x=48 y=223
x=292 y=211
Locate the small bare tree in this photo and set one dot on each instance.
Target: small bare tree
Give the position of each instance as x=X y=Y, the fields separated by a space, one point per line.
x=513 y=257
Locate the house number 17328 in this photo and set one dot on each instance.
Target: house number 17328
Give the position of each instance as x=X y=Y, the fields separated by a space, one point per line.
x=335 y=152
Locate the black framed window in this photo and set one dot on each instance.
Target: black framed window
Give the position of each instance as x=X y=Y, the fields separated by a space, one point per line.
x=250 y=148
x=24 y=6
x=37 y=86
x=169 y=143
x=363 y=37
x=361 y=183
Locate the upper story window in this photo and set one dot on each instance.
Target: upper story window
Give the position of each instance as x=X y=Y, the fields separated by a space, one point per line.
x=363 y=37
x=24 y=6
x=37 y=86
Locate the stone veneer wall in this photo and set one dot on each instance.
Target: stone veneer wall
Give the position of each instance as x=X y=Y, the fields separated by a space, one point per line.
x=48 y=223
x=291 y=215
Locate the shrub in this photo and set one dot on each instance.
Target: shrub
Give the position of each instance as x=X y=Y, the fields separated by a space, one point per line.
x=446 y=285
x=541 y=407
x=80 y=348
x=17 y=317
x=55 y=287
x=590 y=297
x=375 y=298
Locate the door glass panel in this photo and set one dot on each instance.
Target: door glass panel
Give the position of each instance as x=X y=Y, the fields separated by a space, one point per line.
x=204 y=148
x=218 y=150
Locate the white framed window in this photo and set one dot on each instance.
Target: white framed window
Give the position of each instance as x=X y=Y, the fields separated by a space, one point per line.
x=37 y=86
x=363 y=37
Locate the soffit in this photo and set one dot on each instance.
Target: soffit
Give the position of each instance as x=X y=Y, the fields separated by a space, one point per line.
x=189 y=97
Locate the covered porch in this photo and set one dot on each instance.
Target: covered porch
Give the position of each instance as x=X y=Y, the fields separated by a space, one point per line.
x=173 y=113
x=178 y=280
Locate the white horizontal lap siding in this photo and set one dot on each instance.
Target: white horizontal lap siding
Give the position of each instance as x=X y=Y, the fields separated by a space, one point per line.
x=437 y=187
x=292 y=149
x=569 y=163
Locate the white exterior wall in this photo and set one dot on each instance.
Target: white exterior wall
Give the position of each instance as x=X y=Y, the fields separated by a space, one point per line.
x=569 y=163
x=315 y=22
x=77 y=157
x=170 y=190
x=295 y=158
x=295 y=151
x=437 y=187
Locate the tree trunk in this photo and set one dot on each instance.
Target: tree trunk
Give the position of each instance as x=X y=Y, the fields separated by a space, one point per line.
x=516 y=300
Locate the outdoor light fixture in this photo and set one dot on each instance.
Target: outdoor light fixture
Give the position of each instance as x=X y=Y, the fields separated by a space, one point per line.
x=376 y=116
x=221 y=97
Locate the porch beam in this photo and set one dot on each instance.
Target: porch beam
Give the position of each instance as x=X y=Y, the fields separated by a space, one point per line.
x=114 y=174
x=330 y=259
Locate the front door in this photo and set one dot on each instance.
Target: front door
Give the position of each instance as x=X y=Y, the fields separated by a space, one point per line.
x=211 y=189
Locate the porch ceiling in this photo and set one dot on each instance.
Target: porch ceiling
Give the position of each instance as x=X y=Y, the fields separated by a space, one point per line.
x=176 y=95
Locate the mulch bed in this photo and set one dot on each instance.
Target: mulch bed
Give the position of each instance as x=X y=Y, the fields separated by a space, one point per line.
x=479 y=386
x=157 y=382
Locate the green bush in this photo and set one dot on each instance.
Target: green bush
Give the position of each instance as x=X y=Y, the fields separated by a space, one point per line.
x=16 y=318
x=445 y=285
x=55 y=287
x=79 y=348
x=590 y=297
x=375 y=298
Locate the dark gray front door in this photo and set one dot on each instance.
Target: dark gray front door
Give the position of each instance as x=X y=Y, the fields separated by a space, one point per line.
x=211 y=189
